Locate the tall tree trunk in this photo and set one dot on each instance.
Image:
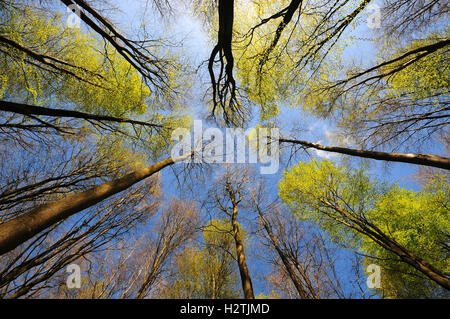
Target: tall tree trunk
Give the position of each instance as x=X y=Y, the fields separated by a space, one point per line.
x=421 y=159
x=240 y=254
x=150 y=277
x=421 y=265
x=287 y=265
x=214 y=295
x=18 y=230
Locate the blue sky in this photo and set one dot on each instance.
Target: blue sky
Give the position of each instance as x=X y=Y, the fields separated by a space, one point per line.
x=197 y=48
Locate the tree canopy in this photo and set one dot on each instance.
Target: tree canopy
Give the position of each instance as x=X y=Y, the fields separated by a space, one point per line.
x=348 y=101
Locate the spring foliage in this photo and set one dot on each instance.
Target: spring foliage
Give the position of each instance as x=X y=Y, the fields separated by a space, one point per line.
x=418 y=220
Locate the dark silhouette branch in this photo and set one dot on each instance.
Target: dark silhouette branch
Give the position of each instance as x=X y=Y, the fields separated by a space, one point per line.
x=29 y=110
x=287 y=15
x=224 y=86
x=151 y=68
x=52 y=62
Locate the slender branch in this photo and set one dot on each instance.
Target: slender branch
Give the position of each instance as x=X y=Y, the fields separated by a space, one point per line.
x=26 y=109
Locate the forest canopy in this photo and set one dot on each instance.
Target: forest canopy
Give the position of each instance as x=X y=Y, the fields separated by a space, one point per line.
x=105 y=170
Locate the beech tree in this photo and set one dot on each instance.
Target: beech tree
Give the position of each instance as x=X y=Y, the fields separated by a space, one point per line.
x=18 y=230
x=302 y=256
x=286 y=52
x=70 y=53
x=135 y=267
x=227 y=194
x=86 y=120
x=383 y=221
x=34 y=267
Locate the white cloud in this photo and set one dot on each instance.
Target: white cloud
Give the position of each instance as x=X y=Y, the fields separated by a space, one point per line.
x=338 y=140
x=324 y=154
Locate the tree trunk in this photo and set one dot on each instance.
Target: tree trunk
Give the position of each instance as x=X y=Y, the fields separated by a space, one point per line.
x=420 y=159
x=295 y=280
x=18 y=230
x=424 y=267
x=415 y=261
x=214 y=287
x=390 y=244
x=240 y=254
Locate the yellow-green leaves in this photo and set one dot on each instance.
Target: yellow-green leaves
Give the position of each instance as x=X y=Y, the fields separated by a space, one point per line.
x=312 y=189
x=209 y=271
x=343 y=201
x=275 y=61
x=89 y=75
x=428 y=77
